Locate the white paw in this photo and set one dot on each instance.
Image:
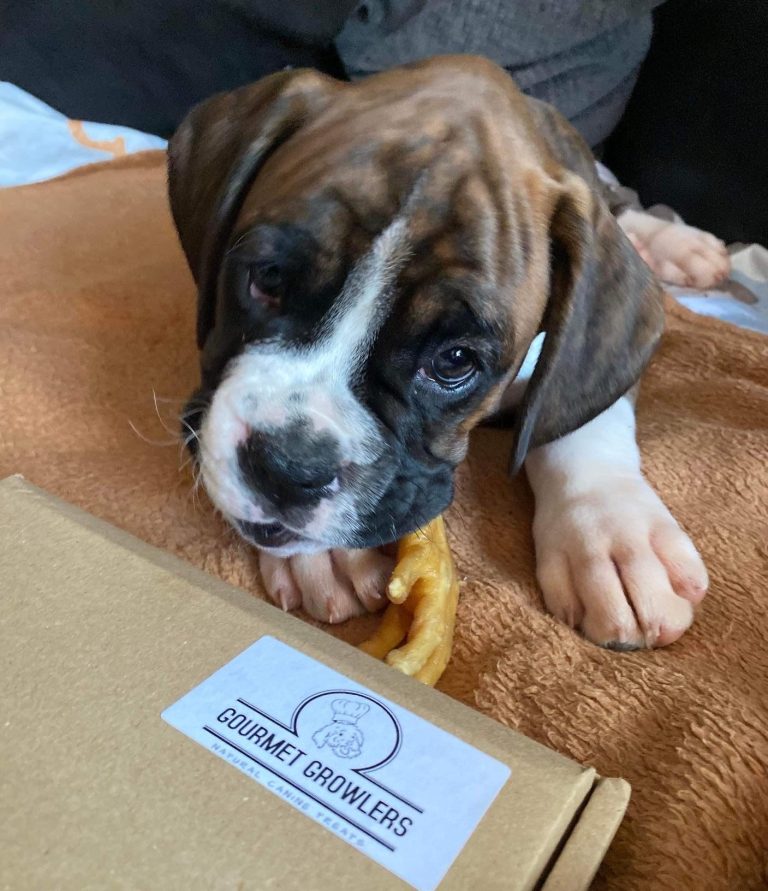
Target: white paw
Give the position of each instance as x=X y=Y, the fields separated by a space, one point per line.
x=678 y=254
x=332 y=585
x=613 y=563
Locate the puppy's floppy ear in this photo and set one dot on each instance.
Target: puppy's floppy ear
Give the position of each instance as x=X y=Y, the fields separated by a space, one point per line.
x=217 y=153
x=602 y=322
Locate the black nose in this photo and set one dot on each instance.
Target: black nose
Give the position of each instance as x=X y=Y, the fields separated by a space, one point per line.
x=291 y=468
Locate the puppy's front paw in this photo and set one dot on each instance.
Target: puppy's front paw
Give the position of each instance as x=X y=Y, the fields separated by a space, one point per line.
x=332 y=586
x=682 y=255
x=613 y=563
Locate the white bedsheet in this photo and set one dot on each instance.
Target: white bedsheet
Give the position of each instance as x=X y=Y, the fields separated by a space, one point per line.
x=37 y=142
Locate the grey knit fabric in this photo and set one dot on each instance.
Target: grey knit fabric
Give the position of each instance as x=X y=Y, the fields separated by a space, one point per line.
x=581 y=55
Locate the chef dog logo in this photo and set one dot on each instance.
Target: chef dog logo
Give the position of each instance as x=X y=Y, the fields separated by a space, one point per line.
x=342 y=735
x=356 y=731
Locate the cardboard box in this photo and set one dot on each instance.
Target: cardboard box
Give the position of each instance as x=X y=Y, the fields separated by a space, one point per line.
x=103 y=634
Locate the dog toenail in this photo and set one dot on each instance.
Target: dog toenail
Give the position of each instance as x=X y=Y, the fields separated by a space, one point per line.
x=619 y=647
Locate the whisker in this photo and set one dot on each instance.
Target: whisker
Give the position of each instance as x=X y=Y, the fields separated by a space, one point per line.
x=160 y=417
x=186 y=463
x=169 y=400
x=152 y=442
x=193 y=434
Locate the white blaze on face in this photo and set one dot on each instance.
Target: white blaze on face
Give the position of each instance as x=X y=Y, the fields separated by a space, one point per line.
x=274 y=384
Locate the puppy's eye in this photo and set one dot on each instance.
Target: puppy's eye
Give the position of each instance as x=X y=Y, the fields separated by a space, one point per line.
x=264 y=281
x=452 y=367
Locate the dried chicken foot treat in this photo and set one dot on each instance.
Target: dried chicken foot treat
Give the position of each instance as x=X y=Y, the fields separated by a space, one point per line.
x=424 y=593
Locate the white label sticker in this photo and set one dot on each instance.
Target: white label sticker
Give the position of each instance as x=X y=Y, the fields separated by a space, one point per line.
x=389 y=783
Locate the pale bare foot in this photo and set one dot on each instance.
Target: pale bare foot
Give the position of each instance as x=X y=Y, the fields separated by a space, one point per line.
x=678 y=254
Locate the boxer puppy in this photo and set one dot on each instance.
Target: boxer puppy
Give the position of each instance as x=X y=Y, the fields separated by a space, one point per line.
x=375 y=261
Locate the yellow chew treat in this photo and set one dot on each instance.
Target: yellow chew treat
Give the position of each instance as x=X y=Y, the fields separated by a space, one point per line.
x=424 y=593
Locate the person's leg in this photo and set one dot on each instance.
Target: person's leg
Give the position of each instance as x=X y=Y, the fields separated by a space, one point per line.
x=581 y=58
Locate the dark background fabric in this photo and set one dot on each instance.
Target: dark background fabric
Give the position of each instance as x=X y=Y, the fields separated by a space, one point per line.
x=145 y=63
x=583 y=57
x=695 y=133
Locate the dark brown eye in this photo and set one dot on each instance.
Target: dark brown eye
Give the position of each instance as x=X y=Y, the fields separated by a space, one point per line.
x=453 y=366
x=264 y=283
x=268 y=276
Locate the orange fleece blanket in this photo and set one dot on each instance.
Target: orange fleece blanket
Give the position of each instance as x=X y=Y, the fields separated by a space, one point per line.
x=97 y=353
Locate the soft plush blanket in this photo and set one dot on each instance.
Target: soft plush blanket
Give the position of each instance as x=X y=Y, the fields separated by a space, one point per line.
x=97 y=354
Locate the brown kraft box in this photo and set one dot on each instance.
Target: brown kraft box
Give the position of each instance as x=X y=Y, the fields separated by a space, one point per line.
x=102 y=633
